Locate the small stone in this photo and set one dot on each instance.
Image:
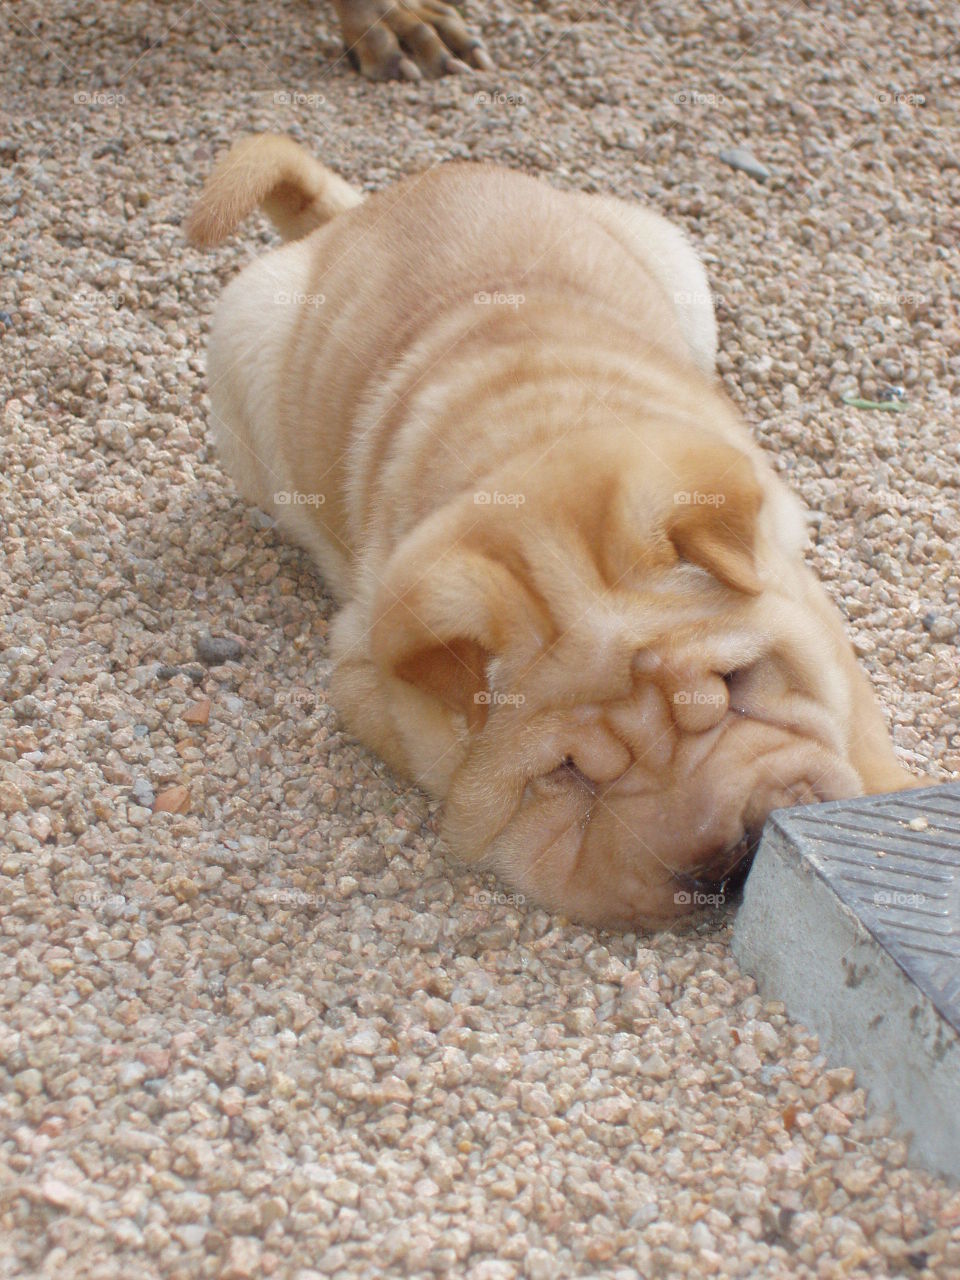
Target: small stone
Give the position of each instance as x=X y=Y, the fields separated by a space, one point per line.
x=115 y=434
x=183 y=888
x=390 y=1089
x=215 y=650
x=943 y=628
x=12 y=799
x=342 y=1191
x=241 y=1259
x=156 y=1058
x=180 y=1090
x=275 y=1209
x=199 y=713
x=645 y=1216
x=857 y=1178
x=173 y=800
x=831 y=1119
x=132 y=1074
x=538 y=1102
x=611 y=1110
x=745 y=1058
x=744 y=159
x=540 y=1265
x=138 y=815
x=40 y=826
x=259 y=519
x=579 y=1021
x=143 y=792
x=29 y=1082
x=765 y=1038
x=496 y=937
x=365 y=1043
x=655 y=1066
x=232 y=1101
x=61 y=1194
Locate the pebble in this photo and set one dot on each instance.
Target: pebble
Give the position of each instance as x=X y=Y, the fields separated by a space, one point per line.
x=366 y=1042
x=744 y=159
x=745 y=1058
x=28 y=1083
x=242 y=1259
x=215 y=650
x=143 y=792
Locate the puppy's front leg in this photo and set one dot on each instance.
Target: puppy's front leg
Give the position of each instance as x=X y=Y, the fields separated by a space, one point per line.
x=407 y=39
x=357 y=692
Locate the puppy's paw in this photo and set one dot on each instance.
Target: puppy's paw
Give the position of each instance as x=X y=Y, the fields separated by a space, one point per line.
x=408 y=39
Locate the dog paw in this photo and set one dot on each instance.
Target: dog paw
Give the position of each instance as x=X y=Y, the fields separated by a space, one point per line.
x=408 y=39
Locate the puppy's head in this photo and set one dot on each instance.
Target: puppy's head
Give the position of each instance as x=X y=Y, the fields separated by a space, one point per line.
x=602 y=669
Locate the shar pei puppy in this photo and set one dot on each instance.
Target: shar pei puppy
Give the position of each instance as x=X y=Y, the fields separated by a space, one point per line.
x=574 y=605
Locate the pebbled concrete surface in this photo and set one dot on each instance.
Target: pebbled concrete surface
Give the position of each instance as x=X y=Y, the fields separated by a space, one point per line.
x=252 y=1022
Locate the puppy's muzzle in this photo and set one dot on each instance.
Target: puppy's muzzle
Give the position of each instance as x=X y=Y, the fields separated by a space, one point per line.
x=725 y=874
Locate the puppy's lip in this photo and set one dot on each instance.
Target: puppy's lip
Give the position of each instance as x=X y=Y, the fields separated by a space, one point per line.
x=565 y=773
x=741 y=860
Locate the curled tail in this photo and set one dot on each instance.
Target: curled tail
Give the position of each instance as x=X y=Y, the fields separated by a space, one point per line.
x=296 y=191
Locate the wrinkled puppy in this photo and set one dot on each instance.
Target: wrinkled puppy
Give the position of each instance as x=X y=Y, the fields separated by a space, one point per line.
x=574 y=604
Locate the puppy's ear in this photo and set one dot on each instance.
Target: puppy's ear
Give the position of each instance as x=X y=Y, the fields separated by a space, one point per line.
x=714 y=521
x=441 y=620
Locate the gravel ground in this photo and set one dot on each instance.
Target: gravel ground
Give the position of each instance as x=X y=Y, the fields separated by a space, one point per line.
x=252 y=1022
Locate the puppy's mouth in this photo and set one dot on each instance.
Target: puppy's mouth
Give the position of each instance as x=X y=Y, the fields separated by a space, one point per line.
x=570 y=771
x=567 y=774
x=725 y=876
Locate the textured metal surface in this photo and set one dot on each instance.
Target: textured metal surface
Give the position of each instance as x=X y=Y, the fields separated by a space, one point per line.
x=894 y=860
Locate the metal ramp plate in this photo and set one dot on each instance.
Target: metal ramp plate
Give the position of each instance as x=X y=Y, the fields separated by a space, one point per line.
x=851 y=917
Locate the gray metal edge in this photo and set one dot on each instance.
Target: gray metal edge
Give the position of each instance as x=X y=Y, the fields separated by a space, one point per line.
x=806 y=947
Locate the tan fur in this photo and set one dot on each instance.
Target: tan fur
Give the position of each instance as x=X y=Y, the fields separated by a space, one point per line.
x=574 y=602
x=297 y=192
